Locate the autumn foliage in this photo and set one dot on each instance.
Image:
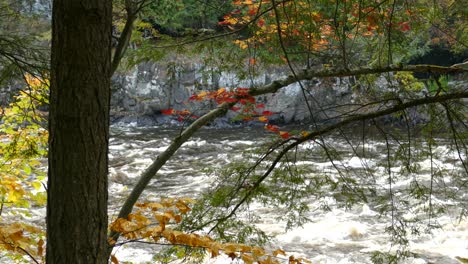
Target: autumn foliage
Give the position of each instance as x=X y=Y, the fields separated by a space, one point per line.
x=242 y=102
x=156 y=222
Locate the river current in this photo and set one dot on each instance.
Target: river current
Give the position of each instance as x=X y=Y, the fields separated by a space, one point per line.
x=337 y=235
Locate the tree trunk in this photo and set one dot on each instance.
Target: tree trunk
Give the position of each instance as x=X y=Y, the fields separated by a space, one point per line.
x=79 y=132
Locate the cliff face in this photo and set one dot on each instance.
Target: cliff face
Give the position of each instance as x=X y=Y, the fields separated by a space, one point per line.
x=140 y=94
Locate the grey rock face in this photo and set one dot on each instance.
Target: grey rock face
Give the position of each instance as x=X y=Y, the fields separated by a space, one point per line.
x=147 y=89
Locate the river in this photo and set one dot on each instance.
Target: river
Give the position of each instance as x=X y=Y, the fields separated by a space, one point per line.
x=337 y=235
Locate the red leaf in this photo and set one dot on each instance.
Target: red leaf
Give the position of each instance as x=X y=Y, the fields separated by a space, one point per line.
x=169 y=111
x=272 y=128
x=251 y=99
x=180 y=119
x=267 y=113
x=224 y=22
x=235 y=108
x=261 y=22
x=284 y=134
x=260 y=105
x=404 y=26
x=226 y=100
x=242 y=91
x=252 y=12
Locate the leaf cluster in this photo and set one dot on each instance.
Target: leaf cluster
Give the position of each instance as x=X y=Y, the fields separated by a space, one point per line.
x=153 y=221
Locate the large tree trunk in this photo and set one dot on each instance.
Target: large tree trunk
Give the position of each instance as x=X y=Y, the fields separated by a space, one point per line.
x=79 y=132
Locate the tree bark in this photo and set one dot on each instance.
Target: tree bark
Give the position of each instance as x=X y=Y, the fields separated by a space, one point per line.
x=79 y=132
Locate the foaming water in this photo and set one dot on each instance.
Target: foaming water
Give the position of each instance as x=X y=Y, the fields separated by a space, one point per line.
x=335 y=236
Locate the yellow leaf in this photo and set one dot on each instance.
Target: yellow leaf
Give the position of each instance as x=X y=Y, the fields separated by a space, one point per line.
x=162 y=219
x=36 y=185
x=170 y=235
x=279 y=252
x=214 y=248
x=122 y=225
x=169 y=214
x=263 y=119
x=187 y=200
x=220 y=91
x=247 y=258
x=258 y=252
x=203 y=94
x=184 y=239
x=139 y=219
x=229 y=248
x=183 y=208
x=111 y=241
x=244 y=248
x=152 y=206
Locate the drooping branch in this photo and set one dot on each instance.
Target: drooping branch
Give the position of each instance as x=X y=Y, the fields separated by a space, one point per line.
x=222 y=109
x=331 y=128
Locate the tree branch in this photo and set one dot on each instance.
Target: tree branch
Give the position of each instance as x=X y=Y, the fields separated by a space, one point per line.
x=222 y=109
x=330 y=128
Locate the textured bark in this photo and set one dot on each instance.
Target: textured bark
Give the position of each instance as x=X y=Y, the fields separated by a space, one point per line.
x=79 y=132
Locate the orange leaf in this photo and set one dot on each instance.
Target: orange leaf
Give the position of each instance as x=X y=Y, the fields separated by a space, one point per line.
x=40 y=247
x=263 y=119
x=178 y=218
x=252 y=61
x=114 y=259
